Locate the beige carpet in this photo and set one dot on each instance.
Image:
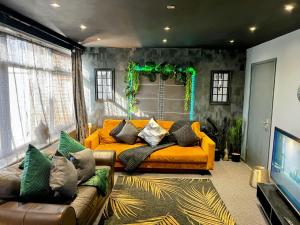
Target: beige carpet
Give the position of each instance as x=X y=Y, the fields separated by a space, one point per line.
x=232 y=182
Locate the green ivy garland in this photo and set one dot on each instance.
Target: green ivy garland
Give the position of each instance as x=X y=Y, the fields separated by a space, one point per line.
x=181 y=75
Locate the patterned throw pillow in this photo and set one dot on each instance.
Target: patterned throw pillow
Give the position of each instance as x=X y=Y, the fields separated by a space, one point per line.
x=63 y=177
x=185 y=136
x=84 y=163
x=153 y=133
x=128 y=134
x=35 y=177
x=176 y=126
x=68 y=145
x=114 y=132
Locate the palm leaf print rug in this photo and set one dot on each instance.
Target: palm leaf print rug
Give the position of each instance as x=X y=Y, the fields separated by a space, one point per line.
x=138 y=200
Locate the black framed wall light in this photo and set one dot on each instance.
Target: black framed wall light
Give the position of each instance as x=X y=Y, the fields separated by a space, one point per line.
x=220 y=87
x=104 y=84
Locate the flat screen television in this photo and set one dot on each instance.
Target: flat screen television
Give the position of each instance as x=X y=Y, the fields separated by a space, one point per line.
x=285 y=166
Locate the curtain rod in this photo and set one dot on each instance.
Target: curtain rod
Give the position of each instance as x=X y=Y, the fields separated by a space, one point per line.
x=27 y=25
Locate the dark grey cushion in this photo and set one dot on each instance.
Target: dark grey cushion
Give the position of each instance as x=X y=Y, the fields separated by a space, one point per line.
x=185 y=136
x=84 y=163
x=63 y=177
x=128 y=134
x=114 y=132
x=176 y=126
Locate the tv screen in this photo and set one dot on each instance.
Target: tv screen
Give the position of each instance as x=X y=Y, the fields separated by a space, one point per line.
x=285 y=168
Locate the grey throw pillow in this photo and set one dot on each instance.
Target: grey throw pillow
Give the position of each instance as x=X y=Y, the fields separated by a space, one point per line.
x=176 y=126
x=63 y=177
x=128 y=134
x=185 y=136
x=153 y=133
x=114 y=132
x=84 y=163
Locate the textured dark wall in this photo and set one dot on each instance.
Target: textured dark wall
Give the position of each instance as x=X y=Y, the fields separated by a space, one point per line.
x=204 y=60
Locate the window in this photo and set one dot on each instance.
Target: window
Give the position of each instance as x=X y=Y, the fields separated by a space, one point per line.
x=220 y=87
x=105 y=84
x=36 y=96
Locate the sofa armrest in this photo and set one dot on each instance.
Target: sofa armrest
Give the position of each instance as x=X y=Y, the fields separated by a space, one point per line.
x=16 y=213
x=208 y=145
x=105 y=158
x=93 y=140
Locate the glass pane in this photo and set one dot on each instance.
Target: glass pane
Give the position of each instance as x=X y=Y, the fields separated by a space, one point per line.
x=224 y=98
x=215 y=83
x=216 y=77
x=225 y=83
x=99 y=81
x=221 y=77
x=104 y=81
x=215 y=91
x=99 y=95
x=109 y=96
x=225 y=91
x=215 y=97
x=99 y=73
x=108 y=82
x=225 y=76
x=108 y=74
x=104 y=96
x=219 y=91
x=99 y=88
x=219 y=98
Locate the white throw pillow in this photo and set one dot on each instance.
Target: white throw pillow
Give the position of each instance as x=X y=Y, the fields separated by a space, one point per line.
x=153 y=133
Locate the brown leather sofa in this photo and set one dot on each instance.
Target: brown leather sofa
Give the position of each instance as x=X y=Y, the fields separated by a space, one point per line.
x=83 y=210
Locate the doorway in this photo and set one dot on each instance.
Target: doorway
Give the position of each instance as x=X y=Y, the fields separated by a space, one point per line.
x=260 y=113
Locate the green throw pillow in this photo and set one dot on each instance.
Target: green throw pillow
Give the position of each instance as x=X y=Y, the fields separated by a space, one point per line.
x=68 y=145
x=21 y=165
x=35 y=177
x=100 y=180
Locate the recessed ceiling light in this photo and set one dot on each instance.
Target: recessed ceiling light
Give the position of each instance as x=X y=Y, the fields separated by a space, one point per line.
x=98 y=39
x=252 y=28
x=79 y=42
x=231 y=41
x=167 y=28
x=164 y=40
x=289 y=7
x=171 y=7
x=55 y=5
x=82 y=27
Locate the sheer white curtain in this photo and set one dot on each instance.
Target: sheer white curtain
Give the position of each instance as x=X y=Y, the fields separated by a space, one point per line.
x=36 y=97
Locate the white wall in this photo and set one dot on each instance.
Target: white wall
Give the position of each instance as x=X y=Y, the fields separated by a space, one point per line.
x=286 y=107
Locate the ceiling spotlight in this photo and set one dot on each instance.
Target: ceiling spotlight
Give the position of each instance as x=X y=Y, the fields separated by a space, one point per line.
x=171 y=7
x=82 y=27
x=55 y=5
x=231 y=41
x=252 y=29
x=79 y=42
x=164 y=40
x=289 y=7
x=98 y=39
x=167 y=28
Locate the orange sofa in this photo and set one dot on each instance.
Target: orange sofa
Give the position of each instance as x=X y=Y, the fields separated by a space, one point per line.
x=174 y=157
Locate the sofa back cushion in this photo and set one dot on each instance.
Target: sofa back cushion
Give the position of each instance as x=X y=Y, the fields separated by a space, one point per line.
x=110 y=124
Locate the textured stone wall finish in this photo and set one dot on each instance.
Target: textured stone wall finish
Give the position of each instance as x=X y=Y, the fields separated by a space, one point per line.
x=164 y=100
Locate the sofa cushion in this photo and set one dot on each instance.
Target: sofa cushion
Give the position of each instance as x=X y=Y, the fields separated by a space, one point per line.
x=172 y=154
x=128 y=134
x=114 y=132
x=68 y=145
x=10 y=182
x=84 y=163
x=185 y=136
x=63 y=177
x=153 y=133
x=35 y=177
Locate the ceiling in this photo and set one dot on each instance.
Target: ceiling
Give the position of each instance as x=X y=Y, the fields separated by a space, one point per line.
x=140 y=23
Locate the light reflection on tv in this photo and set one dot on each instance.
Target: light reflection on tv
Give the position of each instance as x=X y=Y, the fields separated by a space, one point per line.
x=285 y=169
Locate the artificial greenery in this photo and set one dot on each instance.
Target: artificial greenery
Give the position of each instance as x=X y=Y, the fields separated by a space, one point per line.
x=234 y=135
x=182 y=75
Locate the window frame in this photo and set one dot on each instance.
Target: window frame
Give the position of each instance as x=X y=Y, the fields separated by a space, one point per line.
x=112 y=70
x=227 y=102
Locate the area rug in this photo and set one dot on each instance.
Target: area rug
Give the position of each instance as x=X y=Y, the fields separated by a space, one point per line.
x=138 y=200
